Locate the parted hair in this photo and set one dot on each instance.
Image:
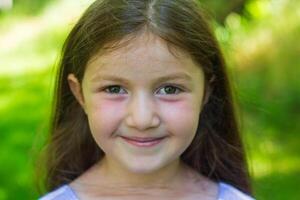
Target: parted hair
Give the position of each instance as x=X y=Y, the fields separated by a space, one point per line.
x=217 y=151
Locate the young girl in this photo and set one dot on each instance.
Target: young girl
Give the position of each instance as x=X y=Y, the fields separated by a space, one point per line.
x=143 y=108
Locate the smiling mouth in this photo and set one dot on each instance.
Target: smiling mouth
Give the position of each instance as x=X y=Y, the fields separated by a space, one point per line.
x=143 y=142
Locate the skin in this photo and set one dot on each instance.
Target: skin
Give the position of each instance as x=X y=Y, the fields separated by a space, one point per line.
x=142 y=106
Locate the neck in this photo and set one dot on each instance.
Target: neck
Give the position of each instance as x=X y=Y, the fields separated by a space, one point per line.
x=174 y=180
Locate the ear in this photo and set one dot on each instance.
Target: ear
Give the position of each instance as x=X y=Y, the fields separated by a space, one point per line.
x=206 y=95
x=76 y=89
x=208 y=91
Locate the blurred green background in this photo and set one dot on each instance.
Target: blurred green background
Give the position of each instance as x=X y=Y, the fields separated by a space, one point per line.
x=260 y=40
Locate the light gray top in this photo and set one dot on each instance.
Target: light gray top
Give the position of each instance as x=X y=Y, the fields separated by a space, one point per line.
x=226 y=192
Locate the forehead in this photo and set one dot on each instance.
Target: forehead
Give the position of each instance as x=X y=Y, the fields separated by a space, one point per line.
x=145 y=53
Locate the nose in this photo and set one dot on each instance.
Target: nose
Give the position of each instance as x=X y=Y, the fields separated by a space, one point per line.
x=142 y=112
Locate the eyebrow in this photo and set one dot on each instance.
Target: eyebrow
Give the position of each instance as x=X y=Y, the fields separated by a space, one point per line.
x=176 y=76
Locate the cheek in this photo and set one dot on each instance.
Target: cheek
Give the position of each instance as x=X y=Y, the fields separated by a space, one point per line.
x=104 y=117
x=181 y=118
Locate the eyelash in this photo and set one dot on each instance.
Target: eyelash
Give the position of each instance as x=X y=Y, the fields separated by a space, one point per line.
x=179 y=90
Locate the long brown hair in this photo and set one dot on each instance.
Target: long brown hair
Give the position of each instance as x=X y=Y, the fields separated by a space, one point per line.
x=216 y=151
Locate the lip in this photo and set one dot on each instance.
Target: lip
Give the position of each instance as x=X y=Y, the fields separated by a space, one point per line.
x=143 y=142
x=142 y=139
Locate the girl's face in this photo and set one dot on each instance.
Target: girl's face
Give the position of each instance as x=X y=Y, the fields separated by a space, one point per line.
x=139 y=92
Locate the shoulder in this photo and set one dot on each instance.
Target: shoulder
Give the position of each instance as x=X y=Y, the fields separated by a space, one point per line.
x=228 y=192
x=62 y=193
